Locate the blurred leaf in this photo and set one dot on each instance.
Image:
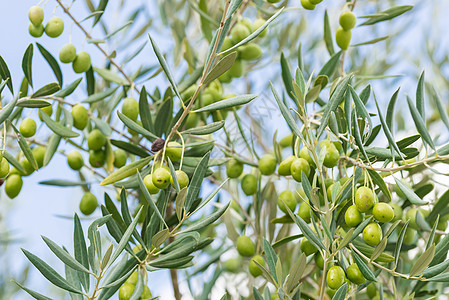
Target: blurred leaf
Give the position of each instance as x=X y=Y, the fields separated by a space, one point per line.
x=110 y=76
x=53 y=144
x=328 y=38
x=206 y=129
x=205 y=221
x=100 y=96
x=373 y=41
x=100 y=10
x=420 y=124
x=388 y=14
x=227 y=103
x=409 y=193
x=423 y=261
x=33 y=294
x=144 y=111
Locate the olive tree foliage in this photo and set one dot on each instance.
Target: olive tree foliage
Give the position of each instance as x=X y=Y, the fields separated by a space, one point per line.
x=171 y=157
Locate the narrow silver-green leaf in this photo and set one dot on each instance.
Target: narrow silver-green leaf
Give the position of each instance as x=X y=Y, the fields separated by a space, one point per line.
x=202 y=223
x=68 y=90
x=420 y=124
x=366 y=271
x=46 y=90
x=409 y=193
x=126 y=171
x=423 y=261
x=58 y=128
x=221 y=67
x=328 y=38
x=227 y=103
x=147 y=196
x=27 y=61
x=52 y=62
x=390 y=110
x=33 y=294
x=388 y=14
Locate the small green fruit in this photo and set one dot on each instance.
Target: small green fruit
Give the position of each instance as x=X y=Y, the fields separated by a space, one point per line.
x=28 y=127
x=288 y=198
x=267 y=164
x=67 y=53
x=13 y=185
x=304 y=153
x=183 y=179
x=4 y=168
x=234 y=168
x=315 y=2
x=27 y=166
x=253 y=267
x=47 y=109
x=250 y=51
x=119 y=158
x=410 y=215
x=335 y=277
x=130 y=108
x=383 y=212
x=372 y=234
x=245 y=246
x=249 y=184
x=161 y=178
x=343 y=38
x=347 y=20
x=304 y=212
x=125 y=292
x=307 y=4
x=299 y=166
x=354 y=274
x=286 y=141
x=319 y=261
x=239 y=32
x=148 y=181
x=36 y=15
x=364 y=199
x=257 y=24
x=174 y=151
x=352 y=216
x=81 y=63
x=285 y=165
x=237 y=69
x=97 y=158
x=397 y=212
x=80 y=116
x=409 y=236
x=307 y=247
x=36 y=31
x=88 y=203
x=39 y=154
x=96 y=140
x=132 y=279
x=227 y=44
x=54 y=27
x=146 y=294
x=232 y=265
x=371 y=290
x=331 y=155
x=75 y=160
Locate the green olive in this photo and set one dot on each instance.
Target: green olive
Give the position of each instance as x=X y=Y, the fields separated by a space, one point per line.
x=304 y=212
x=97 y=158
x=247 y=23
x=36 y=15
x=29 y=169
x=80 y=116
x=191 y=120
x=250 y=51
x=239 y=32
x=319 y=261
x=307 y=4
x=183 y=179
x=249 y=184
x=132 y=279
x=47 y=109
x=227 y=44
x=409 y=236
x=315 y=2
x=28 y=127
x=372 y=234
x=81 y=63
x=253 y=267
x=130 y=108
x=354 y=274
x=353 y=217
x=347 y=20
x=364 y=199
x=75 y=160
x=146 y=294
x=257 y=24
x=288 y=198
x=335 y=277
x=285 y=165
x=232 y=265
x=410 y=216
x=237 y=69
x=161 y=178
x=331 y=156
x=96 y=140
x=148 y=181
x=88 y=203
x=13 y=185
x=234 y=168
x=245 y=246
x=286 y=141
x=125 y=292
x=36 y=31
x=39 y=154
x=119 y=158
x=4 y=168
x=267 y=164
x=307 y=247
x=343 y=38
x=299 y=166
x=54 y=27
x=383 y=212
x=397 y=211
x=67 y=53
x=371 y=290
x=304 y=153
x=174 y=151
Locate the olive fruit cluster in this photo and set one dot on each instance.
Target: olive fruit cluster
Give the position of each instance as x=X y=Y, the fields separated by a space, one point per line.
x=127 y=289
x=161 y=178
x=53 y=28
x=310 y=4
x=80 y=61
x=246 y=248
x=343 y=34
x=336 y=276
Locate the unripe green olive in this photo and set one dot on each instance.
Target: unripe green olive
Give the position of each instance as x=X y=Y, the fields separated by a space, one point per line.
x=335 y=277
x=267 y=164
x=174 y=151
x=245 y=246
x=364 y=199
x=232 y=265
x=4 y=168
x=299 y=166
x=206 y=99
x=234 y=168
x=343 y=38
x=315 y=2
x=36 y=15
x=47 y=109
x=183 y=179
x=257 y=24
x=148 y=181
x=80 y=116
x=225 y=77
x=253 y=267
x=97 y=158
x=146 y=294
x=36 y=31
x=130 y=108
x=285 y=166
x=75 y=160
x=273 y=1
x=13 y=185
x=191 y=120
x=237 y=69
x=250 y=51
x=125 y=292
x=227 y=44
x=307 y=4
x=304 y=153
x=54 y=27
x=249 y=184
x=410 y=215
x=354 y=274
x=286 y=141
x=39 y=154
x=331 y=155
x=246 y=22
x=28 y=127
x=132 y=279
x=383 y=212
x=372 y=234
x=288 y=198
x=347 y=20
x=371 y=290
x=119 y=158
x=81 y=63
x=96 y=140
x=329 y=192
x=304 y=212
x=353 y=217
x=88 y=203
x=239 y=32
x=67 y=53
x=397 y=209
x=409 y=236
x=161 y=178
x=29 y=169
x=319 y=261
x=307 y=247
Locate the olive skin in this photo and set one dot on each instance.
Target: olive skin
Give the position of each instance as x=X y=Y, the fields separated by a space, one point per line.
x=148 y=181
x=227 y=44
x=234 y=168
x=335 y=277
x=298 y=167
x=347 y=20
x=285 y=165
x=47 y=109
x=96 y=140
x=343 y=38
x=174 y=151
x=331 y=155
x=315 y=2
x=125 y=292
x=364 y=199
x=88 y=203
x=372 y=234
x=232 y=265
x=130 y=108
x=319 y=261
x=239 y=32
x=245 y=246
x=250 y=51
x=119 y=158
x=397 y=212
x=253 y=267
x=183 y=179
x=27 y=166
x=146 y=294
x=13 y=185
x=27 y=127
x=237 y=69
x=304 y=153
x=410 y=216
x=67 y=53
x=409 y=236
x=54 y=27
x=304 y=212
x=36 y=31
x=354 y=275
x=249 y=184
x=307 y=247
x=307 y=4
x=161 y=178
x=39 y=154
x=81 y=63
x=4 y=168
x=75 y=160
x=353 y=217
x=286 y=141
x=267 y=164
x=97 y=158
x=383 y=212
x=80 y=116
x=288 y=198
x=371 y=290
x=36 y=15
x=132 y=279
